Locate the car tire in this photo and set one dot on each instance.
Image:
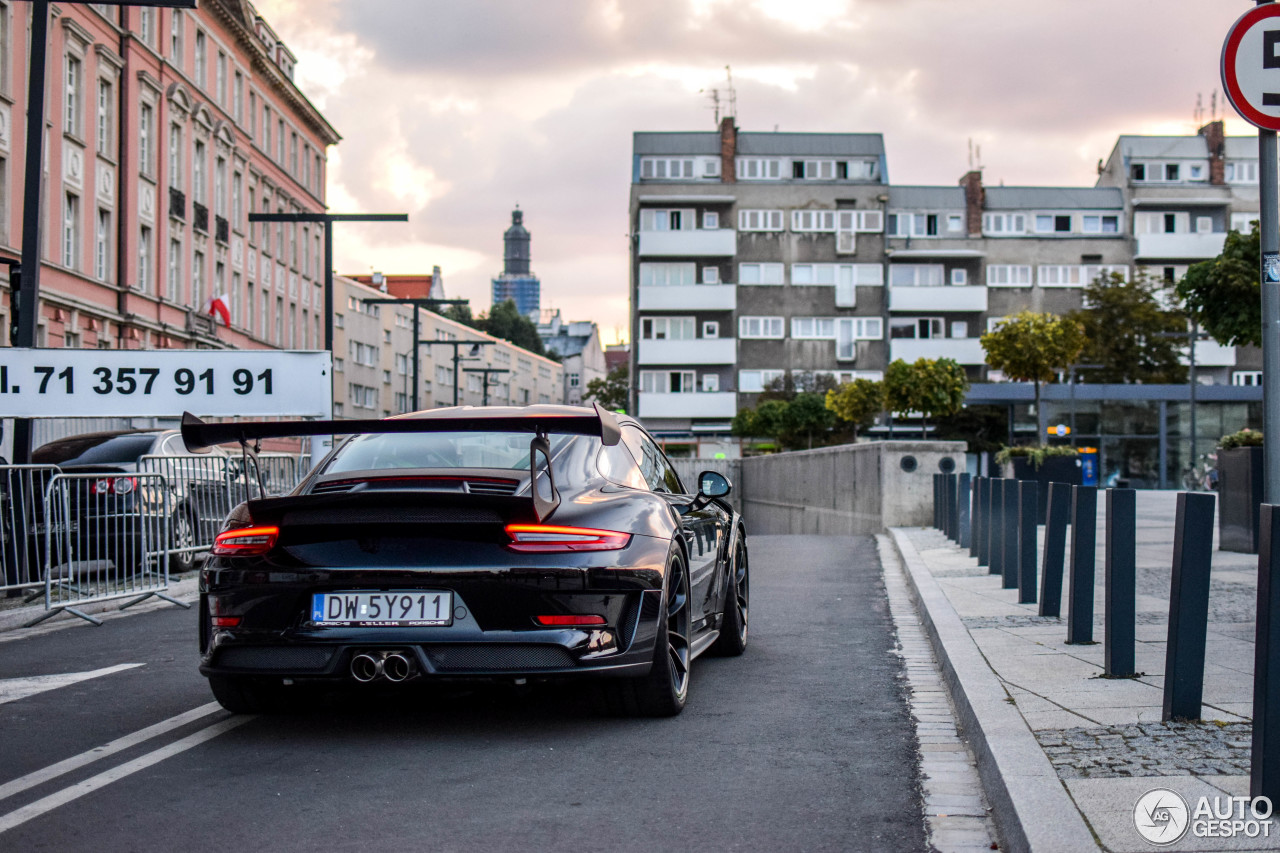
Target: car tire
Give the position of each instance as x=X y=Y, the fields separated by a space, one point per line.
x=242 y=694
x=183 y=536
x=661 y=693
x=733 y=627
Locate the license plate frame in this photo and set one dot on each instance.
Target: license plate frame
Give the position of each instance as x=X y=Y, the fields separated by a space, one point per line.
x=369 y=608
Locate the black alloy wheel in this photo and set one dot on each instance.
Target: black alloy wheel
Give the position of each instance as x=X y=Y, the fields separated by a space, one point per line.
x=661 y=693
x=733 y=626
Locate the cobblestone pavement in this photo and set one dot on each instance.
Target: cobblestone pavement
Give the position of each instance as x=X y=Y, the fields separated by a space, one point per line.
x=1149 y=749
x=956 y=813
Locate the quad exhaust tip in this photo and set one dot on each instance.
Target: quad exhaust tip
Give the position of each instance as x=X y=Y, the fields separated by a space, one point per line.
x=393 y=666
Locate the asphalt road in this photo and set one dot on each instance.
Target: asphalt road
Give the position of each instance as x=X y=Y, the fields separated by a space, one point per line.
x=804 y=743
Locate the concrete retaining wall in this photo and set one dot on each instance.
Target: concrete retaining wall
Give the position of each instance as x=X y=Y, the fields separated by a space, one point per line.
x=845 y=490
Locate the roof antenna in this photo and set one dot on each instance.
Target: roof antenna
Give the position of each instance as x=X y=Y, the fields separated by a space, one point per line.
x=1199 y=110
x=733 y=94
x=1213 y=104
x=970 y=153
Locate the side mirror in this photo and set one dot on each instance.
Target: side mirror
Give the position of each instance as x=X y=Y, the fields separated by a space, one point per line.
x=712 y=484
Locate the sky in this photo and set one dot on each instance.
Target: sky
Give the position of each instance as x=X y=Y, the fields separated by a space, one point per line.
x=455 y=112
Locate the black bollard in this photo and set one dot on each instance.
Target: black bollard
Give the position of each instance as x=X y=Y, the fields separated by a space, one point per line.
x=1055 y=549
x=975 y=521
x=1028 y=512
x=983 y=536
x=995 y=532
x=1265 y=765
x=1009 y=563
x=963 y=491
x=1084 y=532
x=952 y=483
x=1188 y=607
x=1120 y=569
x=937 y=501
x=947 y=497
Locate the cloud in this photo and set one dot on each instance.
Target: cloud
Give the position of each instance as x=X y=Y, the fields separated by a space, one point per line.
x=454 y=112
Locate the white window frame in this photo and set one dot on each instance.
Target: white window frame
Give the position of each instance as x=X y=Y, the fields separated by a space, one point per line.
x=1246 y=378
x=760 y=220
x=850 y=330
x=710 y=329
x=759 y=169
x=813 y=221
x=1060 y=275
x=813 y=328
x=1004 y=224
x=756 y=273
x=710 y=220
x=922 y=275
x=1008 y=275
x=756 y=381
x=661 y=219
x=666 y=168
x=711 y=275
x=710 y=383
x=668 y=274
x=661 y=328
x=762 y=328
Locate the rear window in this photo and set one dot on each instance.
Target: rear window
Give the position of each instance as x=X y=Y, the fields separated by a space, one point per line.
x=94 y=449
x=438 y=450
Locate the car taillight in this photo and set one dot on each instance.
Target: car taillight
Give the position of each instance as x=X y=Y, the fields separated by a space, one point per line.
x=542 y=538
x=226 y=621
x=113 y=486
x=561 y=620
x=245 y=541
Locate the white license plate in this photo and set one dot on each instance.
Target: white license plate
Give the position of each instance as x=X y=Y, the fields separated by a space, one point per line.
x=383 y=609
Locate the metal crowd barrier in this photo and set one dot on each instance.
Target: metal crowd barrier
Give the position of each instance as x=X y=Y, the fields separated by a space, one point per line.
x=22 y=540
x=106 y=537
x=201 y=491
x=282 y=471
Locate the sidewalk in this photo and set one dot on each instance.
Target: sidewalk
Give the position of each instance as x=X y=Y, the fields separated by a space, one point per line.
x=1063 y=746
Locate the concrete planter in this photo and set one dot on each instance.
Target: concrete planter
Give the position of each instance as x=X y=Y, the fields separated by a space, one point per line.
x=1240 y=480
x=1056 y=469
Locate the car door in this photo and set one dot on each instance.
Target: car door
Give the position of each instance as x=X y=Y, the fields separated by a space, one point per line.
x=702 y=528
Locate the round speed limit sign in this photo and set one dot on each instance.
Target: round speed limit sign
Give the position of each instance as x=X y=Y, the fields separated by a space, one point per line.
x=1251 y=66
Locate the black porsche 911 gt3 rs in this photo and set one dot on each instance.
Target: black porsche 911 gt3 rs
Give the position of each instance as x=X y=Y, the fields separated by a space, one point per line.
x=498 y=542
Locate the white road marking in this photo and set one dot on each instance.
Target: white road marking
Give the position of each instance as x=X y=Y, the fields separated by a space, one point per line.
x=13 y=689
x=53 y=771
x=115 y=774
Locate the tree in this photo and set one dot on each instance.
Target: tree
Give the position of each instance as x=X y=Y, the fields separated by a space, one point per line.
x=460 y=313
x=504 y=321
x=790 y=383
x=805 y=415
x=1031 y=347
x=932 y=387
x=857 y=402
x=611 y=391
x=1129 y=334
x=1224 y=295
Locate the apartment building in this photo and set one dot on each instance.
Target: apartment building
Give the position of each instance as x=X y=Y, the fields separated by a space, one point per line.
x=577 y=344
x=166 y=128
x=373 y=367
x=758 y=253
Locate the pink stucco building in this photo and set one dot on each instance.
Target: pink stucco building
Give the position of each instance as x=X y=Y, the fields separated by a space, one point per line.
x=165 y=128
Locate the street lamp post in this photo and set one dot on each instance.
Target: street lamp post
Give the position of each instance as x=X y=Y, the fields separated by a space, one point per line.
x=475 y=351
x=24 y=279
x=429 y=304
x=486 y=371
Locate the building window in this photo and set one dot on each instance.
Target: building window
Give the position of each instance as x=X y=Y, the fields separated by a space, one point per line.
x=813 y=220
x=921 y=328
x=201 y=71
x=1009 y=275
x=175 y=156
x=173 y=278
x=266 y=129
x=1246 y=377
x=813 y=328
x=710 y=383
x=668 y=381
x=146 y=139
x=761 y=327
x=667 y=274
x=102 y=127
x=663 y=168
x=1052 y=224
x=74 y=81
x=280 y=141
x=145 y=248
x=759 y=220
x=237 y=199
x=293 y=154
x=147 y=27
x=710 y=275
x=197 y=281
x=710 y=220
x=1098 y=224
x=101 y=245
x=916 y=275
x=711 y=329
x=755 y=381
x=668 y=328
x=760 y=273
x=220 y=187
x=237 y=98
x=71 y=231
x=220 y=79
x=1057 y=275
x=667 y=220
x=1004 y=224
x=175 y=37
x=756 y=169
x=1241 y=172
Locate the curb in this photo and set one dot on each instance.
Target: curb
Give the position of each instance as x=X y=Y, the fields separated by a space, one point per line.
x=1032 y=809
x=12 y=620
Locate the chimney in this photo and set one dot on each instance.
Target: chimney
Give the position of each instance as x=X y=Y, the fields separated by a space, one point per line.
x=1215 y=140
x=728 y=149
x=975 y=200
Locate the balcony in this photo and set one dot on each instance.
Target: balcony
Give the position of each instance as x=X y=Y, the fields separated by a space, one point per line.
x=689 y=244
x=1180 y=247
x=200 y=217
x=689 y=297
x=703 y=351
x=971 y=297
x=719 y=404
x=221 y=230
x=960 y=350
x=177 y=204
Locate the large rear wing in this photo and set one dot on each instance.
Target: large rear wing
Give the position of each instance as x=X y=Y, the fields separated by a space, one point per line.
x=198 y=434
x=538 y=422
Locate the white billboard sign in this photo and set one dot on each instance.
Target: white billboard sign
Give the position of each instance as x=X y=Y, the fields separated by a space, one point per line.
x=84 y=383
